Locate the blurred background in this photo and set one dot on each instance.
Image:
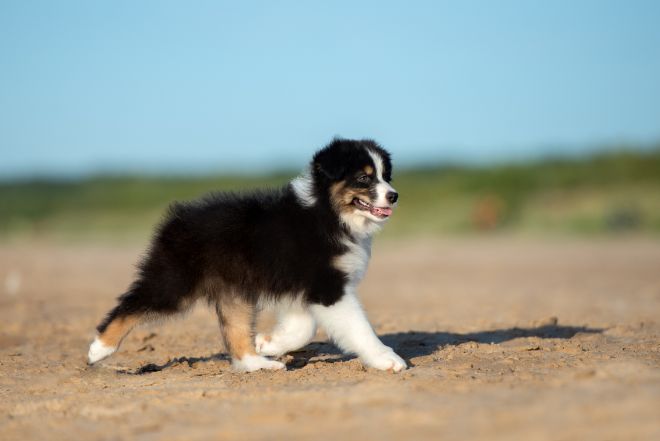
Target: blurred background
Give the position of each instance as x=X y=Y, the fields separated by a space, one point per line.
x=518 y=276
x=516 y=117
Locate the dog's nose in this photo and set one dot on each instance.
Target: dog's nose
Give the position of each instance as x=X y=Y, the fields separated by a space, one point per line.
x=392 y=196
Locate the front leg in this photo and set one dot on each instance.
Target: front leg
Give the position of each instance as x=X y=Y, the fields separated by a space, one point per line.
x=346 y=324
x=295 y=328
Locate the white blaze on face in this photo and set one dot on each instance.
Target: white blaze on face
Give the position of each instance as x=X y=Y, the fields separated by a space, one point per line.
x=382 y=187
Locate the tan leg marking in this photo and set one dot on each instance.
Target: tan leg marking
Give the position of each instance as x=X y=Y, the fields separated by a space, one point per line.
x=117 y=330
x=237 y=325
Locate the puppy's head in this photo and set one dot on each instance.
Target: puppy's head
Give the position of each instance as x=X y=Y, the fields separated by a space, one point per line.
x=356 y=176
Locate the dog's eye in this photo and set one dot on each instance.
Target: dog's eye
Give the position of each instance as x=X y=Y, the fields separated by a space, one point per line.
x=364 y=179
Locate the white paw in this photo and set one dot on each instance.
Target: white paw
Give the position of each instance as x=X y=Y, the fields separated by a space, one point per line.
x=251 y=363
x=385 y=360
x=264 y=345
x=98 y=351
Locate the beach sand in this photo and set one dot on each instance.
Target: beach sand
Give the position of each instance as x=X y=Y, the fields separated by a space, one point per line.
x=506 y=339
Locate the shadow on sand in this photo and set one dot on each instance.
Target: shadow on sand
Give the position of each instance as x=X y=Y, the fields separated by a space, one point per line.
x=409 y=345
x=416 y=344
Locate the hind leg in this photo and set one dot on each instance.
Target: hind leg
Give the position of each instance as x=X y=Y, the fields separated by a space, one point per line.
x=236 y=317
x=295 y=328
x=107 y=342
x=150 y=297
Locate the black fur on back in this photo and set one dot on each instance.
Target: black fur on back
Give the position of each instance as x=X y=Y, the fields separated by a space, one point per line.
x=258 y=245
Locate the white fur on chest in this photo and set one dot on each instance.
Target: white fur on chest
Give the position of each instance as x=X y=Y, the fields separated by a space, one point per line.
x=354 y=262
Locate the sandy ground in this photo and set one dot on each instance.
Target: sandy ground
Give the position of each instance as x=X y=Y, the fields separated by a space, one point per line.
x=507 y=339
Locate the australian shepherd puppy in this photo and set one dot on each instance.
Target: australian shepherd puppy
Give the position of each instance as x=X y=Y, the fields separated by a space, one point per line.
x=303 y=248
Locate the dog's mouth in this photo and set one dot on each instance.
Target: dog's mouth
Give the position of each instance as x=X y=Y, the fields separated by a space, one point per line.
x=379 y=212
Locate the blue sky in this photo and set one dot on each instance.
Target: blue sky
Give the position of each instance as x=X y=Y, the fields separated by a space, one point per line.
x=95 y=86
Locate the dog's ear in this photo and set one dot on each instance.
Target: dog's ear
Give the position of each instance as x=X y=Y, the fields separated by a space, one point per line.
x=330 y=162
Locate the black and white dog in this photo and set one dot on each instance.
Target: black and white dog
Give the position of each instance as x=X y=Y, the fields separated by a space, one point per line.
x=303 y=248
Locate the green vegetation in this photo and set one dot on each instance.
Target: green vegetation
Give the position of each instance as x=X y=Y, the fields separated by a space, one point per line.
x=604 y=194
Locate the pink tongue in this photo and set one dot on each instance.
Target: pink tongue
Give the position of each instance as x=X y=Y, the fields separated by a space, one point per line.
x=376 y=211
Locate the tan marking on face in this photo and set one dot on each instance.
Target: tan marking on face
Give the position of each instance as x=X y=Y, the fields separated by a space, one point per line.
x=237 y=325
x=117 y=330
x=337 y=191
x=342 y=197
x=369 y=170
